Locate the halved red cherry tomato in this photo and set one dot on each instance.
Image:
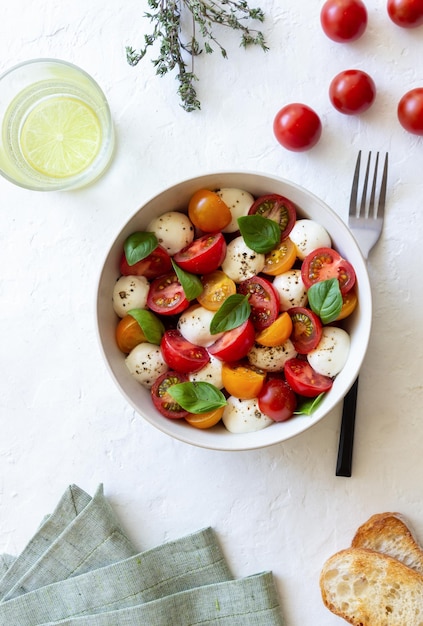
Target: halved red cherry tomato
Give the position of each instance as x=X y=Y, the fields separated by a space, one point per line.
x=182 y=355
x=325 y=263
x=234 y=344
x=242 y=380
x=277 y=208
x=304 y=380
x=217 y=286
x=281 y=259
x=263 y=299
x=128 y=334
x=161 y=398
x=154 y=265
x=306 y=329
x=203 y=255
x=208 y=212
x=205 y=420
x=166 y=295
x=277 y=400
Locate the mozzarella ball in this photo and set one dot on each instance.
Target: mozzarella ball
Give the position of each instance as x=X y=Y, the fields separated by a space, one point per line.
x=291 y=289
x=194 y=325
x=146 y=363
x=244 y=416
x=241 y=262
x=210 y=373
x=271 y=358
x=173 y=230
x=309 y=235
x=331 y=353
x=130 y=292
x=239 y=203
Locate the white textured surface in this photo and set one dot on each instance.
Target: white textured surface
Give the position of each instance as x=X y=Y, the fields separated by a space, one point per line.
x=63 y=421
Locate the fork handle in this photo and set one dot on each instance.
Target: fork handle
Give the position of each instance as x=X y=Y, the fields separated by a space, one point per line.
x=346 y=435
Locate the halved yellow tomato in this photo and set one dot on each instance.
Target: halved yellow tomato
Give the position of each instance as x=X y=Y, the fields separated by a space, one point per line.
x=128 y=334
x=217 y=286
x=208 y=212
x=349 y=302
x=277 y=333
x=281 y=259
x=242 y=380
x=205 y=420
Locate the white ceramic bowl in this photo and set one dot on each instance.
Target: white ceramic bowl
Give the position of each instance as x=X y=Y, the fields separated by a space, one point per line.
x=358 y=324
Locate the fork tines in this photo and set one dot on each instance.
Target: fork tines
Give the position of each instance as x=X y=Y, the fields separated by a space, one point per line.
x=370 y=208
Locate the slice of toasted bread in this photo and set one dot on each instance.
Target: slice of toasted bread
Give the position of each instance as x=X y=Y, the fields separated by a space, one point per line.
x=367 y=588
x=390 y=534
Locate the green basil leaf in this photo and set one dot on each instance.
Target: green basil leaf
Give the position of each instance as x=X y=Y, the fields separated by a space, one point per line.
x=233 y=312
x=325 y=299
x=151 y=326
x=309 y=405
x=197 y=397
x=191 y=284
x=259 y=233
x=138 y=246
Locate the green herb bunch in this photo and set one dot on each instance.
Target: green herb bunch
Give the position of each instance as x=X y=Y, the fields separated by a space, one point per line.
x=167 y=16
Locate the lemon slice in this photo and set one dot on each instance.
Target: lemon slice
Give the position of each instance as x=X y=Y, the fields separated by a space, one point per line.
x=61 y=137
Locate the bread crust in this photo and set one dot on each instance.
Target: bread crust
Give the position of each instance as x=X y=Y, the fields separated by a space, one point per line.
x=367 y=588
x=390 y=533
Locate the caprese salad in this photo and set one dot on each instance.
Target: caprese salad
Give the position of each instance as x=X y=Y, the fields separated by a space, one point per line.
x=233 y=310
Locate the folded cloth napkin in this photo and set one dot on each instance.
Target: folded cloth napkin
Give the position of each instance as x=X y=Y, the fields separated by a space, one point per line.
x=80 y=569
x=82 y=534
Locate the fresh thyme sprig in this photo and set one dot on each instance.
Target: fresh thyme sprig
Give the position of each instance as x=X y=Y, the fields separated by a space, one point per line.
x=167 y=17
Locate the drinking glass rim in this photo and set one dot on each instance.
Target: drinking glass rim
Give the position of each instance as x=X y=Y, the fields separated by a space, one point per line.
x=52 y=60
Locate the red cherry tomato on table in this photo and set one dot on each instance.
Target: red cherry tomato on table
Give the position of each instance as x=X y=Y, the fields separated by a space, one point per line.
x=166 y=295
x=277 y=400
x=406 y=13
x=304 y=380
x=297 y=127
x=306 y=329
x=410 y=111
x=161 y=397
x=154 y=265
x=343 y=20
x=182 y=355
x=325 y=263
x=263 y=299
x=352 y=91
x=277 y=208
x=203 y=255
x=234 y=344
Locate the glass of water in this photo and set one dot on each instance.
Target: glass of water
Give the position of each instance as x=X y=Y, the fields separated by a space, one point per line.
x=56 y=128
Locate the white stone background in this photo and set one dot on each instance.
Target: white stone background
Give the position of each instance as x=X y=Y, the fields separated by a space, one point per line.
x=62 y=419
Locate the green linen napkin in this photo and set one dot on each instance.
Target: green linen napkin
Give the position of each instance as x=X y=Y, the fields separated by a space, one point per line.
x=248 y=601
x=70 y=505
x=81 y=570
x=82 y=534
x=173 y=567
x=6 y=561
